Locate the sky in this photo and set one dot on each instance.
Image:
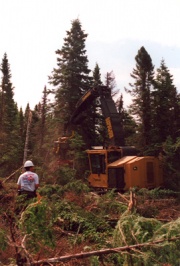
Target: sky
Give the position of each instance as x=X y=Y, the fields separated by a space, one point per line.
x=32 y=30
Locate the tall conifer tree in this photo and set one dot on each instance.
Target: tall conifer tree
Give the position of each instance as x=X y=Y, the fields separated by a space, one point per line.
x=71 y=77
x=95 y=113
x=9 y=137
x=165 y=106
x=143 y=76
x=8 y=106
x=166 y=124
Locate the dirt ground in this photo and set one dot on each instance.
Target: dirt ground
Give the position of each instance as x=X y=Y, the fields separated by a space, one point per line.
x=162 y=209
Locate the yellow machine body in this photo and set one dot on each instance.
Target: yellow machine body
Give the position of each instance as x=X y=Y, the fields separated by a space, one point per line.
x=108 y=171
x=144 y=172
x=116 y=165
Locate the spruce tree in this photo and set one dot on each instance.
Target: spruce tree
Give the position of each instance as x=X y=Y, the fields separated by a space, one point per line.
x=8 y=107
x=165 y=106
x=71 y=80
x=94 y=112
x=143 y=76
x=128 y=123
x=71 y=77
x=39 y=128
x=97 y=76
x=9 y=137
x=21 y=123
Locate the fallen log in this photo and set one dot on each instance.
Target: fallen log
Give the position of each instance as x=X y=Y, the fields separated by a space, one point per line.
x=84 y=255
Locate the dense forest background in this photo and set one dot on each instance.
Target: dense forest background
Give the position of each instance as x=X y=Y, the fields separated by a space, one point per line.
x=151 y=123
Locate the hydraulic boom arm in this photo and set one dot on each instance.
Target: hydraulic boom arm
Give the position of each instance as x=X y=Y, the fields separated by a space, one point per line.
x=111 y=116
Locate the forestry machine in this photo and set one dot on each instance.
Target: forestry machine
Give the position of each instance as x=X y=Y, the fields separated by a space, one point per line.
x=116 y=166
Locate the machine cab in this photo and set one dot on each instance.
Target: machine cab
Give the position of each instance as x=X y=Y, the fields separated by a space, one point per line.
x=99 y=159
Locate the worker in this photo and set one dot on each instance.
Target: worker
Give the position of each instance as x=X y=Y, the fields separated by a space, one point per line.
x=28 y=182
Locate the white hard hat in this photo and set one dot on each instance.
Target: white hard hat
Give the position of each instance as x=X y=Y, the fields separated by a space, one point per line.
x=28 y=164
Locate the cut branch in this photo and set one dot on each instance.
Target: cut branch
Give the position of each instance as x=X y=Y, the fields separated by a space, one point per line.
x=101 y=252
x=11 y=175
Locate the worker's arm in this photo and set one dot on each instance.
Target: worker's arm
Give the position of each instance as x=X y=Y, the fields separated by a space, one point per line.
x=19 y=183
x=36 y=186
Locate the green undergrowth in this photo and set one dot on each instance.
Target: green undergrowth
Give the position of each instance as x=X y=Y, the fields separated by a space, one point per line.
x=85 y=219
x=158 y=193
x=134 y=229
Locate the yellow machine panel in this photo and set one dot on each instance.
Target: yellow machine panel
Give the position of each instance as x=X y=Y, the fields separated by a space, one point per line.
x=143 y=172
x=98 y=180
x=121 y=162
x=98 y=161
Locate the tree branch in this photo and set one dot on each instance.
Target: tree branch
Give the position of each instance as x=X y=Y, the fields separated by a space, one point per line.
x=101 y=252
